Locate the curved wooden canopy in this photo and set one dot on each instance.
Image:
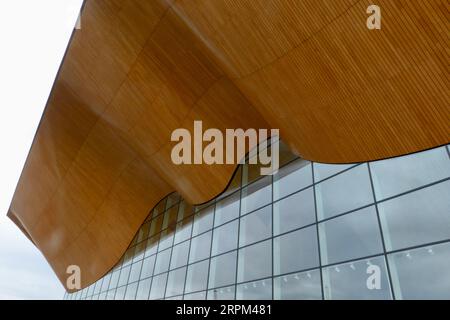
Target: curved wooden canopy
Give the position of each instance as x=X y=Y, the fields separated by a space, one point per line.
x=139 y=69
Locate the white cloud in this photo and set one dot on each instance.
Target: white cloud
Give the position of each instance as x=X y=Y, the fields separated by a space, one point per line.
x=34 y=36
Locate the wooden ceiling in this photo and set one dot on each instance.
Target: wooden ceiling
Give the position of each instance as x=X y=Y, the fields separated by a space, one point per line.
x=139 y=69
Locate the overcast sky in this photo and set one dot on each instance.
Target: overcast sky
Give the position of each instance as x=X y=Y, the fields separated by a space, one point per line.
x=33 y=38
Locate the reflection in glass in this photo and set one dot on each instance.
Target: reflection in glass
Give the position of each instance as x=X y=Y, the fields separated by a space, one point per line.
x=292 y=177
x=135 y=272
x=185 y=210
x=162 y=261
x=298 y=286
x=227 y=209
x=256 y=195
x=294 y=212
x=255 y=261
x=195 y=296
x=166 y=238
x=422 y=273
x=183 y=231
x=225 y=238
x=255 y=226
x=416 y=218
x=350 y=280
x=131 y=291
x=170 y=217
x=175 y=282
x=221 y=293
x=256 y=290
x=147 y=267
x=143 y=289
x=347 y=191
x=197 y=276
x=203 y=221
x=200 y=247
x=397 y=175
x=324 y=170
x=222 y=270
x=139 y=251
x=124 y=274
x=180 y=255
x=296 y=251
x=158 y=286
x=114 y=280
x=120 y=293
x=351 y=236
x=152 y=246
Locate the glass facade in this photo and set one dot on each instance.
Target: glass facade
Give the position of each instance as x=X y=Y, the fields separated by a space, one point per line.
x=378 y=230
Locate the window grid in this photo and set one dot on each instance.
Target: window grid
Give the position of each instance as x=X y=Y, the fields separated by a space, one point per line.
x=92 y=292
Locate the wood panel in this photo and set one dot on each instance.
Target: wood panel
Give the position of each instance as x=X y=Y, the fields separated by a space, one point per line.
x=139 y=69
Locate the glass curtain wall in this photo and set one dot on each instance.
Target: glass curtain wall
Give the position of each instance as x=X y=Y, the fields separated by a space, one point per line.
x=378 y=230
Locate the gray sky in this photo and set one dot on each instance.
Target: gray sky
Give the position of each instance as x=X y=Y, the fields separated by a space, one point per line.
x=34 y=36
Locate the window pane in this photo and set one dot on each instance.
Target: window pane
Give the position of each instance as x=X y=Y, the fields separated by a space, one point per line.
x=158 y=286
x=170 y=217
x=221 y=294
x=203 y=221
x=105 y=283
x=143 y=232
x=185 y=210
x=175 y=282
x=422 y=273
x=156 y=225
x=114 y=280
x=120 y=293
x=292 y=177
x=179 y=255
x=200 y=247
x=223 y=270
x=255 y=261
x=323 y=170
x=110 y=294
x=172 y=199
x=257 y=290
x=197 y=276
x=131 y=291
x=294 y=212
x=162 y=261
x=128 y=256
x=299 y=286
x=124 y=274
x=152 y=246
x=227 y=209
x=195 y=296
x=184 y=229
x=351 y=236
x=416 y=218
x=166 y=238
x=397 y=175
x=347 y=191
x=175 y=298
x=257 y=195
x=143 y=289
x=147 y=267
x=296 y=250
x=225 y=238
x=139 y=251
x=350 y=281
x=135 y=271
x=256 y=226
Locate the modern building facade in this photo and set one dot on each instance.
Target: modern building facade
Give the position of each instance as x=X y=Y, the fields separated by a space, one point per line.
x=309 y=232
x=337 y=221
